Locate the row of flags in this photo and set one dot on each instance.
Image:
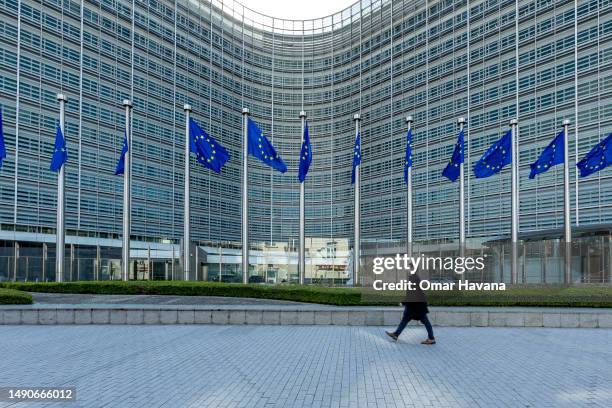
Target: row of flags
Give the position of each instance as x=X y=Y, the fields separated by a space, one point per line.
x=211 y=154
x=499 y=154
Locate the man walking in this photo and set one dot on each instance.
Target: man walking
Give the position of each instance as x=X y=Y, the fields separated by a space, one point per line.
x=415 y=308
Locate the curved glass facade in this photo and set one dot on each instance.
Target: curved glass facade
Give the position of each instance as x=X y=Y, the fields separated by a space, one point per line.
x=489 y=61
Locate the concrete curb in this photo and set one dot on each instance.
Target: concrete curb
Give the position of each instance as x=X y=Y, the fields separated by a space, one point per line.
x=341 y=316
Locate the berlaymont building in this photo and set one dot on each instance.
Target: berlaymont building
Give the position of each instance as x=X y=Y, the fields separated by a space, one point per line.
x=538 y=61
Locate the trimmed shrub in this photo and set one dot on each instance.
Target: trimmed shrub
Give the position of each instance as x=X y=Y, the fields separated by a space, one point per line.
x=517 y=295
x=14 y=297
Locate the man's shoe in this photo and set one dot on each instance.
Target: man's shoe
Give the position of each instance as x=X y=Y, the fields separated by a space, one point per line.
x=429 y=341
x=392 y=335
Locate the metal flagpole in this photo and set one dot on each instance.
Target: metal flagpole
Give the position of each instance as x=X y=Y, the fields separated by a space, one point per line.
x=357 y=226
x=566 y=201
x=186 y=220
x=245 y=197
x=127 y=194
x=461 y=122
x=515 y=201
x=302 y=254
x=409 y=200
x=60 y=232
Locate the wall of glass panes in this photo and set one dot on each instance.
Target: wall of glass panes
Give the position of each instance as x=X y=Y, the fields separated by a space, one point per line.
x=539 y=61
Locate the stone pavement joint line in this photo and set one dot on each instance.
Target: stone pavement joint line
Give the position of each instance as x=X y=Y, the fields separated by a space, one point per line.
x=309 y=366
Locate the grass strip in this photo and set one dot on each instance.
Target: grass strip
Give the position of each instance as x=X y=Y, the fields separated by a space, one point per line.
x=14 y=297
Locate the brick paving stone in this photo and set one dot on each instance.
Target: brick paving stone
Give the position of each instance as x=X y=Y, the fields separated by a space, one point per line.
x=310 y=366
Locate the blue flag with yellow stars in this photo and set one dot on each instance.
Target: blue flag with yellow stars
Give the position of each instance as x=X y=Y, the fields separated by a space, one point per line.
x=408 y=159
x=356 y=156
x=305 y=155
x=260 y=147
x=597 y=159
x=495 y=158
x=60 y=154
x=551 y=156
x=121 y=163
x=452 y=169
x=209 y=153
x=2 y=145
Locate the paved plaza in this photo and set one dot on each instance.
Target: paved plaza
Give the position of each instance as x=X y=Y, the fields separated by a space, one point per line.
x=310 y=366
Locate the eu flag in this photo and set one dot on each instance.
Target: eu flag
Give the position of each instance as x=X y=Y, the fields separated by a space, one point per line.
x=209 y=153
x=2 y=145
x=259 y=146
x=356 y=156
x=60 y=154
x=305 y=155
x=496 y=157
x=121 y=163
x=551 y=156
x=452 y=169
x=597 y=159
x=408 y=159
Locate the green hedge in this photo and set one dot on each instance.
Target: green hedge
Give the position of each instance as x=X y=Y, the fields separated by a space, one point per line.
x=583 y=295
x=14 y=297
x=310 y=294
x=550 y=295
x=541 y=296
